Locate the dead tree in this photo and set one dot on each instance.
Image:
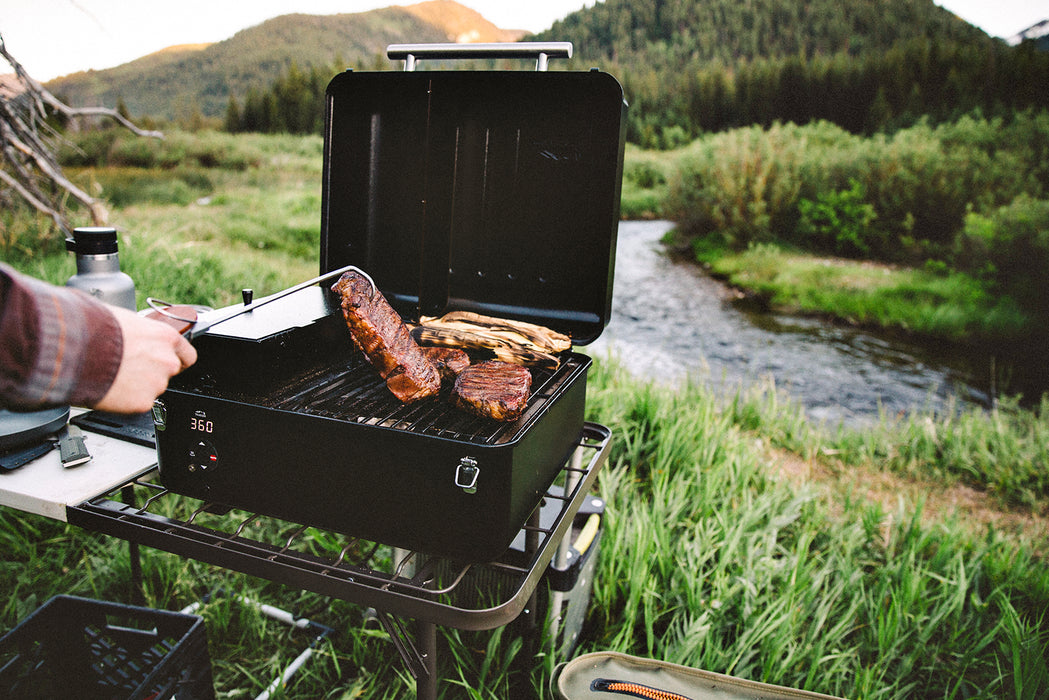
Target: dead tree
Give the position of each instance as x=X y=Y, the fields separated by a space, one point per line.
x=30 y=167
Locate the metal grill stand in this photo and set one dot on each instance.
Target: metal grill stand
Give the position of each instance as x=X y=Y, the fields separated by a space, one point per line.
x=408 y=585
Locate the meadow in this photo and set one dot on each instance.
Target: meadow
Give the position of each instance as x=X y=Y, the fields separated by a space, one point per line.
x=738 y=537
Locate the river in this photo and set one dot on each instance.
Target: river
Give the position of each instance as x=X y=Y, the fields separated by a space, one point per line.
x=671 y=322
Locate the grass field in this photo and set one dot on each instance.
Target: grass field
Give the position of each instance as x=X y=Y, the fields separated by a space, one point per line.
x=738 y=537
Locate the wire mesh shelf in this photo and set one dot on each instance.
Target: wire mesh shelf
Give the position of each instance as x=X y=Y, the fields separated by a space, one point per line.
x=411 y=584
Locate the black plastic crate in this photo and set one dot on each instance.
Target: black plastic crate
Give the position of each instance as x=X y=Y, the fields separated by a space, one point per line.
x=81 y=648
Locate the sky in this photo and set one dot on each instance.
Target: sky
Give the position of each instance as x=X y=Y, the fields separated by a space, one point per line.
x=56 y=37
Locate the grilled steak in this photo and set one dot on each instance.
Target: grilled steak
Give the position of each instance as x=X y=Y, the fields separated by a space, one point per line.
x=493 y=389
x=381 y=334
x=448 y=361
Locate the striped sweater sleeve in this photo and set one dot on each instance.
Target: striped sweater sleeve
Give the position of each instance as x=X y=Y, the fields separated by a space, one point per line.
x=58 y=346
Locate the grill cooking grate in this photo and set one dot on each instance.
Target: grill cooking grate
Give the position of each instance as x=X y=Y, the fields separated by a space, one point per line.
x=355 y=393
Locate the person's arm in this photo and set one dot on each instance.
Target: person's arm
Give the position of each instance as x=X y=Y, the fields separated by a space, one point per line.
x=60 y=346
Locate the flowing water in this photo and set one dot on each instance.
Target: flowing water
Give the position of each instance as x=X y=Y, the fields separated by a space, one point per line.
x=670 y=322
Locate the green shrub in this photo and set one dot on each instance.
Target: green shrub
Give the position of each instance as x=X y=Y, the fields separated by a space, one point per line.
x=746 y=185
x=119 y=148
x=90 y=149
x=217 y=150
x=135 y=153
x=838 y=222
x=918 y=188
x=121 y=187
x=1010 y=247
x=644 y=174
x=1028 y=136
x=742 y=185
x=973 y=245
x=1017 y=154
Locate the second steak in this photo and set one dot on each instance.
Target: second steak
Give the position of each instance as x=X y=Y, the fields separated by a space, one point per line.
x=448 y=361
x=493 y=389
x=381 y=334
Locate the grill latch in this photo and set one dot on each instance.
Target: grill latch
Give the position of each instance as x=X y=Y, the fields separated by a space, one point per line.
x=466 y=474
x=160 y=415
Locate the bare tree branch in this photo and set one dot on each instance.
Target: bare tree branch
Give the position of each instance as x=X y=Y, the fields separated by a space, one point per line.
x=29 y=165
x=37 y=204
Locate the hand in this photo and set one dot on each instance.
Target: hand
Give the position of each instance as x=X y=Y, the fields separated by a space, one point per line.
x=154 y=352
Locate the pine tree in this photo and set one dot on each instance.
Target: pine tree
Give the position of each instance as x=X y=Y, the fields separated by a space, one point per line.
x=233 y=120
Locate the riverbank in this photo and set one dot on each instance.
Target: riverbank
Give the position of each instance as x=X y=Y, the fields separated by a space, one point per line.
x=960 y=211
x=928 y=307
x=943 y=305
x=673 y=323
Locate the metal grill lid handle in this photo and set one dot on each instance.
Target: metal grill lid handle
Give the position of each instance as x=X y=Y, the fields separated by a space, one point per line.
x=542 y=51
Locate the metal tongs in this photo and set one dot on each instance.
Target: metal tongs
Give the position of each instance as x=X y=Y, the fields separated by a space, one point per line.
x=192 y=323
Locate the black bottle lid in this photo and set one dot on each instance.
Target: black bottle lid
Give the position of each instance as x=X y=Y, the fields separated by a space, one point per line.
x=93 y=240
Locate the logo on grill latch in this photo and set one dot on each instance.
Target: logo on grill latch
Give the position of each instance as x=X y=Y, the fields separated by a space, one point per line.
x=466 y=474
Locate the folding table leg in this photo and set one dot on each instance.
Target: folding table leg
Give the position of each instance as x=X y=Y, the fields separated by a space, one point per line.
x=420 y=656
x=426 y=683
x=137 y=589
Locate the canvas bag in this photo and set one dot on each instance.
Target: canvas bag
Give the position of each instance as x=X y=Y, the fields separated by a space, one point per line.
x=611 y=675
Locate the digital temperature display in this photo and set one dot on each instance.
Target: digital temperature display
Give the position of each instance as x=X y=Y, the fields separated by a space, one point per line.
x=201 y=425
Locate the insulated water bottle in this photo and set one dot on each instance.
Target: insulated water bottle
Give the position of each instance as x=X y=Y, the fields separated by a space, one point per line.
x=98 y=266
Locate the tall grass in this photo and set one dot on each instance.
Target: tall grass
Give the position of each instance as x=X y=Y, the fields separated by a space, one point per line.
x=1004 y=452
x=199 y=218
x=713 y=562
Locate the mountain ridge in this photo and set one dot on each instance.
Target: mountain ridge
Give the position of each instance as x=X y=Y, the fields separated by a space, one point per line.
x=729 y=31
x=178 y=81
x=462 y=24
x=635 y=38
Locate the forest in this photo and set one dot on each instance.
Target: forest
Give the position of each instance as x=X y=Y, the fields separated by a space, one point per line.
x=918 y=78
x=691 y=67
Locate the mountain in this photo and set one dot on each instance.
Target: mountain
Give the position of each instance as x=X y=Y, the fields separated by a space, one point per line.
x=695 y=66
x=182 y=80
x=461 y=24
x=687 y=65
x=1037 y=33
x=671 y=32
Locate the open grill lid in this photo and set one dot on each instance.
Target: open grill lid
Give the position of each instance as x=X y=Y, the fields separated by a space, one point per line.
x=489 y=191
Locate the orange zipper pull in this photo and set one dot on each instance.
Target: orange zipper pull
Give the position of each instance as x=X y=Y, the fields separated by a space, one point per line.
x=634 y=689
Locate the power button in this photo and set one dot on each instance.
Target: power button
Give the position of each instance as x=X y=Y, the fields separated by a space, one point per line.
x=203 y=456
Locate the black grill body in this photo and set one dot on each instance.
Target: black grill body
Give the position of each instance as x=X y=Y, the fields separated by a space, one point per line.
x=299 y=426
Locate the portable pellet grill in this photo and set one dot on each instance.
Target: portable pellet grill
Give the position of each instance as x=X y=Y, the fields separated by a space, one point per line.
x=493 y=191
